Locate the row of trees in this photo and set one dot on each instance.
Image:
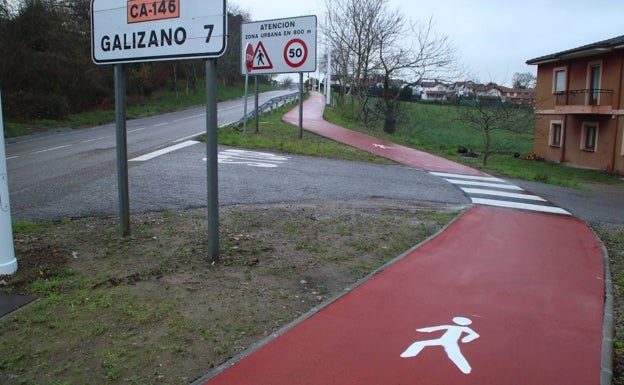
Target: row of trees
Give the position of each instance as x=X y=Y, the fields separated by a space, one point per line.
x=46 y=69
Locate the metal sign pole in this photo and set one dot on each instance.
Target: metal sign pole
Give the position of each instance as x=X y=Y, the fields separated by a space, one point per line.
x=122 y=150
x=249 y=61
x=245 y=105
x=8 y=262
x=300 y=105
x=256 y=104
x=328 y=78
x=212 y=160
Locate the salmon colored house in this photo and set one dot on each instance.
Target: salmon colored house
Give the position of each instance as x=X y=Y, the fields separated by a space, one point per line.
x=579 y=106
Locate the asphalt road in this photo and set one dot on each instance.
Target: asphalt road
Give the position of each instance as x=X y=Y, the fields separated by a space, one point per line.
x=72 y=173
x=601 y=203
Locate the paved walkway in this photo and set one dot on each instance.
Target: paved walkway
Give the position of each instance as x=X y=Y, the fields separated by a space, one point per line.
x=502 y=296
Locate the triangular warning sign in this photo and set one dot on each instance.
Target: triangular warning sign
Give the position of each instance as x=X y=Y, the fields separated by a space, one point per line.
x=261 y=60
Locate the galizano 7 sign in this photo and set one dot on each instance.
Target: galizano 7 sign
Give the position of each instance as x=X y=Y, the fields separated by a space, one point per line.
x=126 y=31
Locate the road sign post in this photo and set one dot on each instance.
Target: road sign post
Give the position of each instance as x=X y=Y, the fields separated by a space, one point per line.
x=256 y=92
x=8 y=262
x=122 y=150
x=212 y=160
x=281 y=46
x=248 y=66
x=301 y=105
x=129 y=31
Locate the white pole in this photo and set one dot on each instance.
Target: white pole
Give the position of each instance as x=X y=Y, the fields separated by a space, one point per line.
x=328 y=78
x=8 y=262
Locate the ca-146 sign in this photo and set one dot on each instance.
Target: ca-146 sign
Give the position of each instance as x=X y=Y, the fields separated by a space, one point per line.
x=126 y=31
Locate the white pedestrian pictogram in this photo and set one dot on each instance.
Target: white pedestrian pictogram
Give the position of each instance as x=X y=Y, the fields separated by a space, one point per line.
x=449 y=341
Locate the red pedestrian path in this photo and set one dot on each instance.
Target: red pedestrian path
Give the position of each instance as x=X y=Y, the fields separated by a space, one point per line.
x=516 y=297
x=313 y=121
x=536 y=308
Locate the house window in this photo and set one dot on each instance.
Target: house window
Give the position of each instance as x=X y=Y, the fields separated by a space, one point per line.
x=555 y=134
x=559 y=80
x=594 y=83
x=589 y=136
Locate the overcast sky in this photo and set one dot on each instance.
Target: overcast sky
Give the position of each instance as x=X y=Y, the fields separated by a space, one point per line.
x=494 y=38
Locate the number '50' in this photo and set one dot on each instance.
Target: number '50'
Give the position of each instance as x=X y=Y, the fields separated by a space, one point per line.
x=295 y=52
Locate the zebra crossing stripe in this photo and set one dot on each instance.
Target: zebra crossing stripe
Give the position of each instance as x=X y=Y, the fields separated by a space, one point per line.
x=517 y=205
x=469 y=177
x=492 y=191
x=461 y=182
x=504 y=194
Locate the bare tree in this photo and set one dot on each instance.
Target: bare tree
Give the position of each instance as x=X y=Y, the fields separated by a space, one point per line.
x=491 y=114
x=352 y=25
x=372 y=50
x=429 y=54
x=524 y=80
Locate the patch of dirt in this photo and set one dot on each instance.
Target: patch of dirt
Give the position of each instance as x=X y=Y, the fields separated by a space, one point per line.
x=151 y=309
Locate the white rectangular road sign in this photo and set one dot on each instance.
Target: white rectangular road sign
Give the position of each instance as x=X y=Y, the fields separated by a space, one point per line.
x=280 y=46
x=124 y=31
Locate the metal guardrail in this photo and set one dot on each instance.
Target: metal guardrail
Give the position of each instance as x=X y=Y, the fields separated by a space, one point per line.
x=267 y=107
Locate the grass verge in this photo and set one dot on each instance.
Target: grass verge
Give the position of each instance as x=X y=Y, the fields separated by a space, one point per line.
x=437 y=129
x=612 y=237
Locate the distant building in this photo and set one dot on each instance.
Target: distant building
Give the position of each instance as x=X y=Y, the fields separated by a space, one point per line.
x=432 y=91
x=523 y=96
x=579 y=114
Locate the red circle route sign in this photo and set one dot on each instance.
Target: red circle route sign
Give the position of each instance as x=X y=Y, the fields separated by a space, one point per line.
x=295 y=53
x=249 y=57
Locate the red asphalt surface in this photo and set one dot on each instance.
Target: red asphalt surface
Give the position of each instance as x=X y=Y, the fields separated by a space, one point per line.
x=531 y=284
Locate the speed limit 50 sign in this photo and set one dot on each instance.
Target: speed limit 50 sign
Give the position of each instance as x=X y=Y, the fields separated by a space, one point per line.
x=279 y=46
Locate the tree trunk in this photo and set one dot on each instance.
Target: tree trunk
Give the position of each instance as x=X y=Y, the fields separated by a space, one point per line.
x=486 y=149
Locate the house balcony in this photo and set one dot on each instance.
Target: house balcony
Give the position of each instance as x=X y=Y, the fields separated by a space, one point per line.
x=586 y=101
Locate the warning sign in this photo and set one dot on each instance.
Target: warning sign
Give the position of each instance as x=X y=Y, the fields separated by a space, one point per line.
x=261 y=60
x=281 y=46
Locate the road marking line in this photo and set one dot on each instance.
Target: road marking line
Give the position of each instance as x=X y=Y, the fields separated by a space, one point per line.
x=50 y=149
x=506 y=186
x=524 y=206
x=189 y=137
x=188 y=117
x=163 y=151
x=251 y=158
x=468 y=190
x=463 y=176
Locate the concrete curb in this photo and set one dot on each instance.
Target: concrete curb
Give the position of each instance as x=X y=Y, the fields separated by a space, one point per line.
x=606 y=370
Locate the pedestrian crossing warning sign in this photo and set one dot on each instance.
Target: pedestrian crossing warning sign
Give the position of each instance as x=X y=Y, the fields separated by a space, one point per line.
x=261 y=60
x=279 y=46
